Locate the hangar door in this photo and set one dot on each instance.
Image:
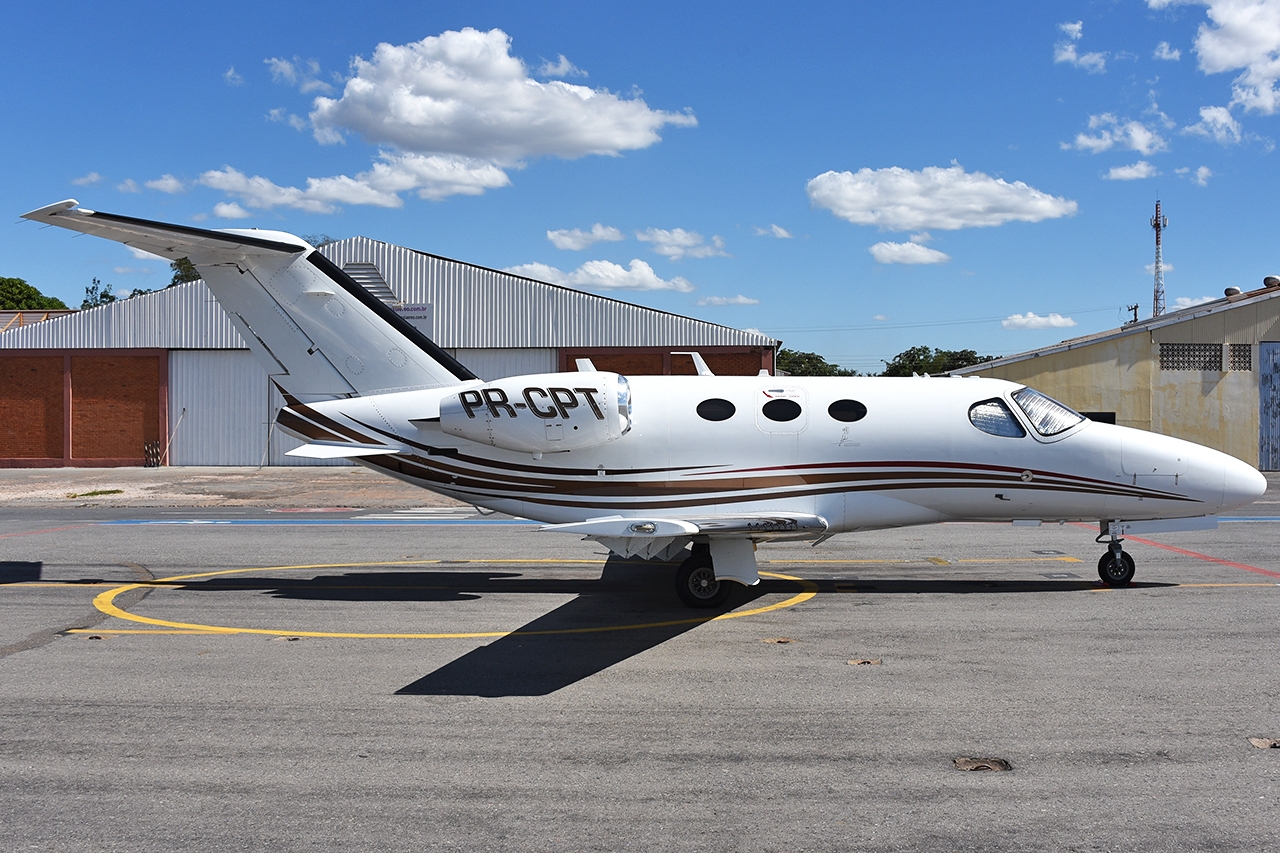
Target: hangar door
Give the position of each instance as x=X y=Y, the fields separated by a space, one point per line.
x=1269 y=410
x=217 y=408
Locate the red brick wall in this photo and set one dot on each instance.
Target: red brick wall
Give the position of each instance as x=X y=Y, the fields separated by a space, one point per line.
x=652 y=361
x=115 y=405
x=31 y=407
x=629 y=364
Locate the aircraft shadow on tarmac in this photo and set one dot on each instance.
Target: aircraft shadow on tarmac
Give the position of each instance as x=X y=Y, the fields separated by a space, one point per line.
x=19 y=571
x=580 y=637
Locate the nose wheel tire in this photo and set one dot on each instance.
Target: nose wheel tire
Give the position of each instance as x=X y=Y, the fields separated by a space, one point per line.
x=696 y=581
x=1115 y=568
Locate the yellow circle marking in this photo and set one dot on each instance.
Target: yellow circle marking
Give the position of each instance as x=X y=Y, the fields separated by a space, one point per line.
x=105 y=602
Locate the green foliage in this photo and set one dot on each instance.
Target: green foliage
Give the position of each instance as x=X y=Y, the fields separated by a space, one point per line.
x=808 y=364
x=318 y=240
x=924 y=360
x=183 y=271
x=17 y=295
x=97 y=294
x=140 y=291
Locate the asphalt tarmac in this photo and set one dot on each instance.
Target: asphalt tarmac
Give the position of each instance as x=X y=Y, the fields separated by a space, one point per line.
x=258 y=677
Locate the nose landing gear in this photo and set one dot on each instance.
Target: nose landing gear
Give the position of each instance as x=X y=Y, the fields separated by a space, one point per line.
x=1116 y=567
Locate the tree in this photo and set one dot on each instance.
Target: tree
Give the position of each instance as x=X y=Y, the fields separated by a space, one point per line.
x=924 y=359
x=183 y=271
x=318 y=240
x=97 y=294
x=808 y=364
x=17 y=295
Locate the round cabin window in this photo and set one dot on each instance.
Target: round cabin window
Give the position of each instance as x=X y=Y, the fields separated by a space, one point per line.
x=847 y=411
x=781 y=410
x=716 y=409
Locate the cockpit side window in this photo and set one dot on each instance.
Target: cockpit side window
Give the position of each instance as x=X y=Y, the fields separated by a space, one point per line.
x=993 y=417
x=1047 y=415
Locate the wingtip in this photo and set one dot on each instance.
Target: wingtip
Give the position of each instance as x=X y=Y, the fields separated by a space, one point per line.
x=51 y=209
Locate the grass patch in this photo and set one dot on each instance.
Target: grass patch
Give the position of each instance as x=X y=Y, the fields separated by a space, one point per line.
x=97 y=493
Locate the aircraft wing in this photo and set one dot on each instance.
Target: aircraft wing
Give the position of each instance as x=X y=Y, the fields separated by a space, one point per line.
x=201 y=245
x=665 y=537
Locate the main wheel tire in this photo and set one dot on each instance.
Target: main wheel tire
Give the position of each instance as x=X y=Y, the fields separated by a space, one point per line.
x=696 y=581
x=1115 y=572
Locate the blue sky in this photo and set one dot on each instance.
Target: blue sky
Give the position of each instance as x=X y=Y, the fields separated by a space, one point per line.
x=853 y=178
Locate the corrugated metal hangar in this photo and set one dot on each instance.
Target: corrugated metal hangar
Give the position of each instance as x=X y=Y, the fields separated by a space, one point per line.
x=166 y=374
x=1209 y=373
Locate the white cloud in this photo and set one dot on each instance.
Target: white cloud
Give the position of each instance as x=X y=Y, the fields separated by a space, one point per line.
x=87 y=180
x=774 y=231
x=604 y=275
x=1202 y=176
x=880 y=318
x=432 y=178
x=1187 y=302
x=562 y=68
x=1031 y=320
x=140 y=255
x=728 y=300
x=456 y=112
x=131 y=270
x=129 y=185
x=232 y=78
x=1165 y=266
x=1133 y=172
x=576 y=239
x=921 y=237
x=230 y=210
x=304 y=75
x=1111 y=132
x=280 y=114
x=906 y=253
x=1165 y=51
x=898 y=199
x=463 y=93
x=1065 y=51
x=1242 y=34
x=166 y=184
x=679 y=243
x=1218 y=124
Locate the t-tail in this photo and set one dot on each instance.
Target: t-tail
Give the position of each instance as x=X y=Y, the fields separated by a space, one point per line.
x=318 y=333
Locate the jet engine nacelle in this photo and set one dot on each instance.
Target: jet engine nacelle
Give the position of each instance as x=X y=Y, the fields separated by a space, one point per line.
x=541 y=413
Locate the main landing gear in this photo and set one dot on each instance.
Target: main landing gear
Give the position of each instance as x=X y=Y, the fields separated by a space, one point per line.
x=1116 y=567
x=696 y=580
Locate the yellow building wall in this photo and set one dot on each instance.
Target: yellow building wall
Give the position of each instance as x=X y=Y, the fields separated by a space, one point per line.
x=1218 y=409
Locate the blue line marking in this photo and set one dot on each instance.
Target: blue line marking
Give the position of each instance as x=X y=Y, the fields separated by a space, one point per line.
x=330 y=522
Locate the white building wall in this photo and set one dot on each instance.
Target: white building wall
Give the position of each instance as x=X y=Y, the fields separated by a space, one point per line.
x=490 y=364
x=217 y=408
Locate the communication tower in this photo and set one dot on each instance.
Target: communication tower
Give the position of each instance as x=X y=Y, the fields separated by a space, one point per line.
x=1159 y=222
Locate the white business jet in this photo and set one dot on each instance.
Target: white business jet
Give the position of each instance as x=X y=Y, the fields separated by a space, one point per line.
x=651 y=465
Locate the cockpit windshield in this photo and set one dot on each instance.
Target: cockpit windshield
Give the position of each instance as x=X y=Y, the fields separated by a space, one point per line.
x=1048 y=416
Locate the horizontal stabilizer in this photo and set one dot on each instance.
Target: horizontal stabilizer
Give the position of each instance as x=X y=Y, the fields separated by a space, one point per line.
x=342 y=451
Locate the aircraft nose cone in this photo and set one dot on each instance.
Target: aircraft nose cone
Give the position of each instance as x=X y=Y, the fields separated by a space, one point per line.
x=1243 y=485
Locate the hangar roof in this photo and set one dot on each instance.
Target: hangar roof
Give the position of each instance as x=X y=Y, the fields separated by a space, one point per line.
x=1169 y=318
x=472 y=307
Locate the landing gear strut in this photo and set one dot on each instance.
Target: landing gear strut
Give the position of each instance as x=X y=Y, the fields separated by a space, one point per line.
x=1116 y=567
x=696 y=580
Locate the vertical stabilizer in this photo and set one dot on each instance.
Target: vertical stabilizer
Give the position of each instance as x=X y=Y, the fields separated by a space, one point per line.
x=318 y=333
